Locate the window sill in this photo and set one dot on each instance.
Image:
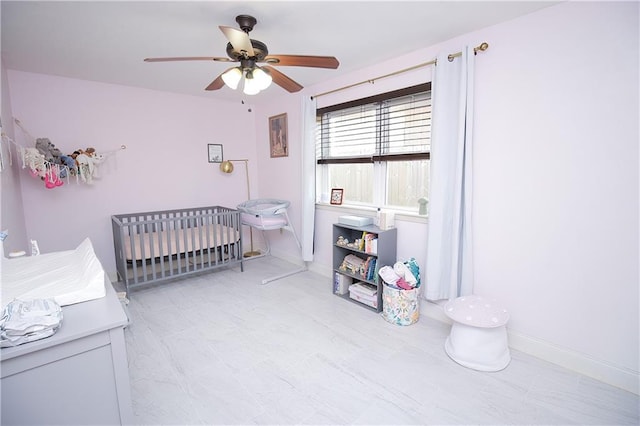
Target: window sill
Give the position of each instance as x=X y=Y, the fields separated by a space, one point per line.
x=371 y=212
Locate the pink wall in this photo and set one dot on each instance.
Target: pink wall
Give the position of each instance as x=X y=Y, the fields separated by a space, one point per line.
x=280 y=177
x=164 y=164
x=12 y=211
x=555 y=180
x=557 y=176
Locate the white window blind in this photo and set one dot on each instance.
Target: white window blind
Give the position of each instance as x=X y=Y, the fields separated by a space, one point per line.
x=394 y=126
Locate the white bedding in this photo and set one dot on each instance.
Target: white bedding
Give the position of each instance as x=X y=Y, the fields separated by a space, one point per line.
x=69 y=277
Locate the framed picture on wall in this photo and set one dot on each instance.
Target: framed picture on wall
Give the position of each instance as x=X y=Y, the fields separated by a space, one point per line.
x=336 y=196
x=278 y=137
x=215 y=153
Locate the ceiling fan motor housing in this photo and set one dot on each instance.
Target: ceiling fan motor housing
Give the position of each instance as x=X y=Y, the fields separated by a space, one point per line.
x=246 y=22
x=259 y=49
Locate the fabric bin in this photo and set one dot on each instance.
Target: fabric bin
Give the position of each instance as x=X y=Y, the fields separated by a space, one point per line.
x=366 y=299
x=400 y=307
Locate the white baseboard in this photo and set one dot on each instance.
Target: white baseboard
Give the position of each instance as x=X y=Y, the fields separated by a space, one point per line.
x=620 y=377
x=296 y=260
x=323 y=270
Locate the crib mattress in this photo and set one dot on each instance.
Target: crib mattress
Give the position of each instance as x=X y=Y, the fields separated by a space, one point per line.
x=69 y=277
x=172 y=242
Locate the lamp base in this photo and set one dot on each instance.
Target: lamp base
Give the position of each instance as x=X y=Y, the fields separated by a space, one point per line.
x=252 y=254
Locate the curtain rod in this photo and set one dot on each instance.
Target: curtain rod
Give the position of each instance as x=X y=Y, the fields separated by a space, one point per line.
x=482 y=47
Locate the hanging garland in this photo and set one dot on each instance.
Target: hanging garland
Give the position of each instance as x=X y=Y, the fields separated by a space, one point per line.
x=46 y=162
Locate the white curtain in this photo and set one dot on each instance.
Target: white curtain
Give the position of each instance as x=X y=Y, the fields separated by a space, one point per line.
x=308 y=176
x=449 y=260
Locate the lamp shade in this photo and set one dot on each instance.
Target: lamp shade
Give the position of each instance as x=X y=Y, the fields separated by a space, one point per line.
x=251 y=85
x=226 y=166
x=262 y=78
x=232 y=77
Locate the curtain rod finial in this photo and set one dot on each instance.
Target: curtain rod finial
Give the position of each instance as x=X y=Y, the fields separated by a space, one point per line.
x=483 y=46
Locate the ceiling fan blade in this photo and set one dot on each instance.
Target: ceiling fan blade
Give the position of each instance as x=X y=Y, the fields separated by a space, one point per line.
x=216 y=84
x=282 y=80
x=303 y=61
x=238 y=39
x=189 y=58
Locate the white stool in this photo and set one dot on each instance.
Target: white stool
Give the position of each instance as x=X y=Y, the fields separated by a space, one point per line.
x=478 y=337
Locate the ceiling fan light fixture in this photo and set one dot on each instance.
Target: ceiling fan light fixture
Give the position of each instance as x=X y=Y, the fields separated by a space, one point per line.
x=232 y=77
x=262 y=78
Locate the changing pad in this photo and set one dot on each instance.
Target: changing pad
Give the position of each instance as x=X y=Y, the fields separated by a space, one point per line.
x=68 y=277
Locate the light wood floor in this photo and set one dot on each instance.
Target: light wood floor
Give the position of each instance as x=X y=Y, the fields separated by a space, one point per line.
x=221 y=348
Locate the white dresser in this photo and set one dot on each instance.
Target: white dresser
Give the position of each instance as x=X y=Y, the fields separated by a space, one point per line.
x=77 y=376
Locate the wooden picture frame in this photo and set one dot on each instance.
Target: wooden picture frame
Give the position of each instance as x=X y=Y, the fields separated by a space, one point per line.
x=214 y=152
x=278 y=136
x=336 y=196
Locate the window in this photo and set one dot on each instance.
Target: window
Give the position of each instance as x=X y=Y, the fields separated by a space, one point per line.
x=377 y=149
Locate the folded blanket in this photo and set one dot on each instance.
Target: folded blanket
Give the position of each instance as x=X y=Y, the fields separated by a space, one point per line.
x=26 y=321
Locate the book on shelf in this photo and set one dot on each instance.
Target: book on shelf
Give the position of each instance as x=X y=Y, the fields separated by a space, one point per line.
x=365 y=269
x=369 y=268
x=375 y=273
x=370 y=243
x=371 y=271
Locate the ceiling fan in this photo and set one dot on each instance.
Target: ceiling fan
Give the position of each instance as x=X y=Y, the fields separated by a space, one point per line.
x=249 y=53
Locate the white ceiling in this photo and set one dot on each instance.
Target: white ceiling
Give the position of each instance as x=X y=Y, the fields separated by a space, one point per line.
x=107 y=41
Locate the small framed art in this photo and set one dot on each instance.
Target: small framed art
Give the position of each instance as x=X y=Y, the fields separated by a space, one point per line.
x=278 y=138
x=215 y=153
x=336 y=196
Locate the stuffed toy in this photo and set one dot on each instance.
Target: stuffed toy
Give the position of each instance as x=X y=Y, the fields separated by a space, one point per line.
x=69 y=164
x=82 y=163
x=58 y=160
x=85 y=165
x=76 y=153
x=44 y=146
x=53 y=156
x=97 y=159
x=33 y=159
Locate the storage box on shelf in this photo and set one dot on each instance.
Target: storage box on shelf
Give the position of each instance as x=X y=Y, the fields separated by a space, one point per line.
x=358 y=253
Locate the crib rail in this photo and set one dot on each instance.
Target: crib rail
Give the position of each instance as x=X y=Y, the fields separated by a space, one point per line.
x=155 y=246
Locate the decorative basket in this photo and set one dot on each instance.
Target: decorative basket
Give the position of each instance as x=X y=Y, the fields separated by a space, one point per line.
x=400 y=307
